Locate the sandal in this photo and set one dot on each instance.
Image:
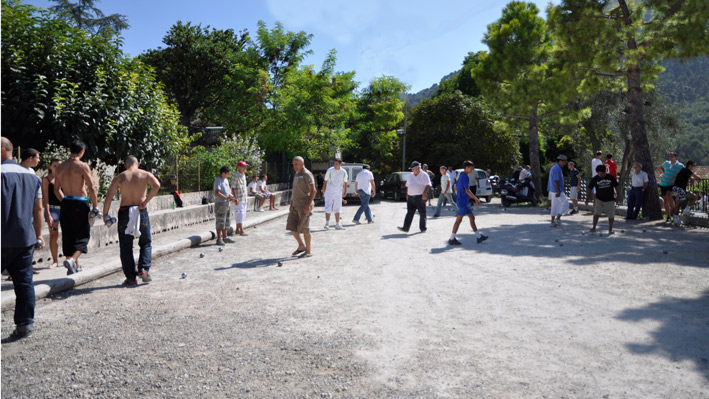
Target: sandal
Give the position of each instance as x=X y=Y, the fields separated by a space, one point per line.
x=306 y=255
x=297 y=251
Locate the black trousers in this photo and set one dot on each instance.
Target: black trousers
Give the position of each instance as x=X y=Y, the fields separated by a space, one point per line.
x=415 y=203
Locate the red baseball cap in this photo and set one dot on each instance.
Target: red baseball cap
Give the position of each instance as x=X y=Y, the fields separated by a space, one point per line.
x=241 y=163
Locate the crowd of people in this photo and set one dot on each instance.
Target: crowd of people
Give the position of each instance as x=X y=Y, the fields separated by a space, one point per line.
x=67 y=199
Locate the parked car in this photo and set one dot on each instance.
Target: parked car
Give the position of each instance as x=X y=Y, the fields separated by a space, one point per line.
x=394 y=185
x=484 y=189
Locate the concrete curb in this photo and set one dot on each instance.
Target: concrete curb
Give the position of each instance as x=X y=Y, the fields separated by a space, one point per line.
x=52 y=287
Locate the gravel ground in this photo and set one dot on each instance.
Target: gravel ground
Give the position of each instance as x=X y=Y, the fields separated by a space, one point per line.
x=381 y=314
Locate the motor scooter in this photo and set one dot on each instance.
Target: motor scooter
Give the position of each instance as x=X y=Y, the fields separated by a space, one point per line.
x=511 y=192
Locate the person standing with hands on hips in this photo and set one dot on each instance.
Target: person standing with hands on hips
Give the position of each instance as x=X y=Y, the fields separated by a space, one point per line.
x=417 y=186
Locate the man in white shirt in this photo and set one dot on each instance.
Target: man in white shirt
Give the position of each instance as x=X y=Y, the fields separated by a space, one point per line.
x=334 y=191
x=263 y=189
x=446 y=192
x=253 y=189
x=639 y=183
x=366 y=189
x=594 y=164
x=417 y=186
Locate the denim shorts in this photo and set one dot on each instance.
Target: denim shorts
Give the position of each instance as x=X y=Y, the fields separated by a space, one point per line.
x=55 y=212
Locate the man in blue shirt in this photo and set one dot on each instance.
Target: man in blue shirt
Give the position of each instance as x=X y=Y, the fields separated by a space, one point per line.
x=21 y=231
x=463 y=202
x=555 y=186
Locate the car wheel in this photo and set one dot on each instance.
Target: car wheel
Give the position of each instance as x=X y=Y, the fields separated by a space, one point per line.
x=488 y=198
x=506 y=203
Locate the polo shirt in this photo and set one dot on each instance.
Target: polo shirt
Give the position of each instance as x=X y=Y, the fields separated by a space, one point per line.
x=639 y=179
x=363 y=180
x=595 y=162
x=335 y=180
x=670 y=173
x=445 y=179
x=417 y=184
x=555 y=174
x=20 y=189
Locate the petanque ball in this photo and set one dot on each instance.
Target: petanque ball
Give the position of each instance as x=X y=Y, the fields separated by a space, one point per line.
x=221 y=249
x=280 y=264
x=201 y=255
x=184 y=275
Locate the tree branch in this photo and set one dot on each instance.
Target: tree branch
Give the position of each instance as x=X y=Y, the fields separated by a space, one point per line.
x=515 y=116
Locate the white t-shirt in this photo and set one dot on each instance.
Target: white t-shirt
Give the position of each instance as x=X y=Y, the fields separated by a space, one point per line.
x=363 y=180
x=417 y=184
x=444 y=181
x=260 y=186
x=335 y=179
x=595 y=162
x=253 y=186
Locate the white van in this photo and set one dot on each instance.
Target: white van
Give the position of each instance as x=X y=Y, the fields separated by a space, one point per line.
x=353 y=170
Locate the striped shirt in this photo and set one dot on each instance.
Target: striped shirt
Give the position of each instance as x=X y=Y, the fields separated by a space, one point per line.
x=238 y=182
x=668 y=177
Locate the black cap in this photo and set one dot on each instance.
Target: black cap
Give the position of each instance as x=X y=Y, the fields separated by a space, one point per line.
x=414 y=164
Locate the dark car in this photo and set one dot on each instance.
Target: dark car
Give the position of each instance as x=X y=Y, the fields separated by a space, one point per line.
x=394 y=185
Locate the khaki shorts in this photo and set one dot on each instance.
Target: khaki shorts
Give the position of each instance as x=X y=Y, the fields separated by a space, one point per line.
x=298 y=221
x=608 y=207
x=574 y=193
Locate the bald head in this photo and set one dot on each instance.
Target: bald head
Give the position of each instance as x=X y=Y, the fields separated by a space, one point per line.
x=130 y=161
x=298 y=163
x=6 y=148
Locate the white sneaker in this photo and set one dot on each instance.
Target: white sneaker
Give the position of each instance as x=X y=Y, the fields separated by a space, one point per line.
x=327 y=226
x=676 y=220
x=259 y=209
x=339 y=227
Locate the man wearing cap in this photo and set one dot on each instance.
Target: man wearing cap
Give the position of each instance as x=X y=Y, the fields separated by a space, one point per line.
x=366 y=189
x=334 y=191
x=555 y=185
x=238 y=191
x=417 y=186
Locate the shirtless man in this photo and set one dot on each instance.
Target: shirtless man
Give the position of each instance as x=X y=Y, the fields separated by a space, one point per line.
x=133 y=220
x=72 y=179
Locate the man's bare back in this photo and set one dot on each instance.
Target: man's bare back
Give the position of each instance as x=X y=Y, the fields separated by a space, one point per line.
x=134 y=186
x=72 y=178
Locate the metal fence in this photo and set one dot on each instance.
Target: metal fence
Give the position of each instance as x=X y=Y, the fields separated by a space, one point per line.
x=701 y=189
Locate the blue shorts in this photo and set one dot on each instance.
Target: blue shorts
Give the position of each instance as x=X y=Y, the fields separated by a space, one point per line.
x=464 y=208
x=55 y=212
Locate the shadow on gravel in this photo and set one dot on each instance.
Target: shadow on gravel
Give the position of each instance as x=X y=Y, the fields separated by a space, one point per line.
x=683 y=332
x=574 y=245
x=83 y=291
x=255 y=263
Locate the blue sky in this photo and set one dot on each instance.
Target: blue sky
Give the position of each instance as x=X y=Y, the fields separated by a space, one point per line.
x=415 y=41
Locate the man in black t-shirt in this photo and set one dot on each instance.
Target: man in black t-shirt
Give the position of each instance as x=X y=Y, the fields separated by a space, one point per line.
x=684 y=176
x=604 y=197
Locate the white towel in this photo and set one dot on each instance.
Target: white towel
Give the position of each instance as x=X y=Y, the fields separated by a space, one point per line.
x=559 y=205
x=133 y=228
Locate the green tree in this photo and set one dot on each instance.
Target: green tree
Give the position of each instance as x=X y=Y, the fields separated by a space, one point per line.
x=520 y=76
x=451 y=128
x=59 y=84
x=89 y=17
x=463 y=81
x=195 y=65
x=380 y=112
x=608 y=40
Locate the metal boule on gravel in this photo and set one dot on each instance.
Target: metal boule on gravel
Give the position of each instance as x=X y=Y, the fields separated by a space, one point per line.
x=201 y=255
x=561 y=244
x=622 y=231
x=184 y=275
x=280 y=264
x=221 y=249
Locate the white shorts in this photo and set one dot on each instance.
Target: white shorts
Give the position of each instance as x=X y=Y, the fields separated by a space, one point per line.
x=559 y=205
x=333 y=203
x=574 y=194
x=240 y=213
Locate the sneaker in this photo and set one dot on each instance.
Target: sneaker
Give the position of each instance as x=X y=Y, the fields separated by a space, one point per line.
x=130 y=283
x=259 y=209
x=70 y=266
x=573 y=212
x=676 y=220
x=371 y=221
x=669 y=219
x=327 y=227
x=220 y=241
x=553 y=224
x=593 y=230
x=403 y=229
x=454 y=242
x=482 y=238
x=424 y=230
x=339 y=227
x=145 y=276
x=228 y=240
x=685 y=217
x=21 y=332
x=356 y=221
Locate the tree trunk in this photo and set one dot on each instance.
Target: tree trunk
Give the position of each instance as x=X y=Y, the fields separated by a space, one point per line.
x=651 y=200
x=625 y=165
x=534 y=151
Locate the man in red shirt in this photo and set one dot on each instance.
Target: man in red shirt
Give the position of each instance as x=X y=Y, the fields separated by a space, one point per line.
x=611 y=167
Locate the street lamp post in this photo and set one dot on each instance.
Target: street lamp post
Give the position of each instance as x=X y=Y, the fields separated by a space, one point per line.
x=402 y=132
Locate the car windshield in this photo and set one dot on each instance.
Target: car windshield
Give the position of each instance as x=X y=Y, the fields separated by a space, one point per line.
x=404 y=175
